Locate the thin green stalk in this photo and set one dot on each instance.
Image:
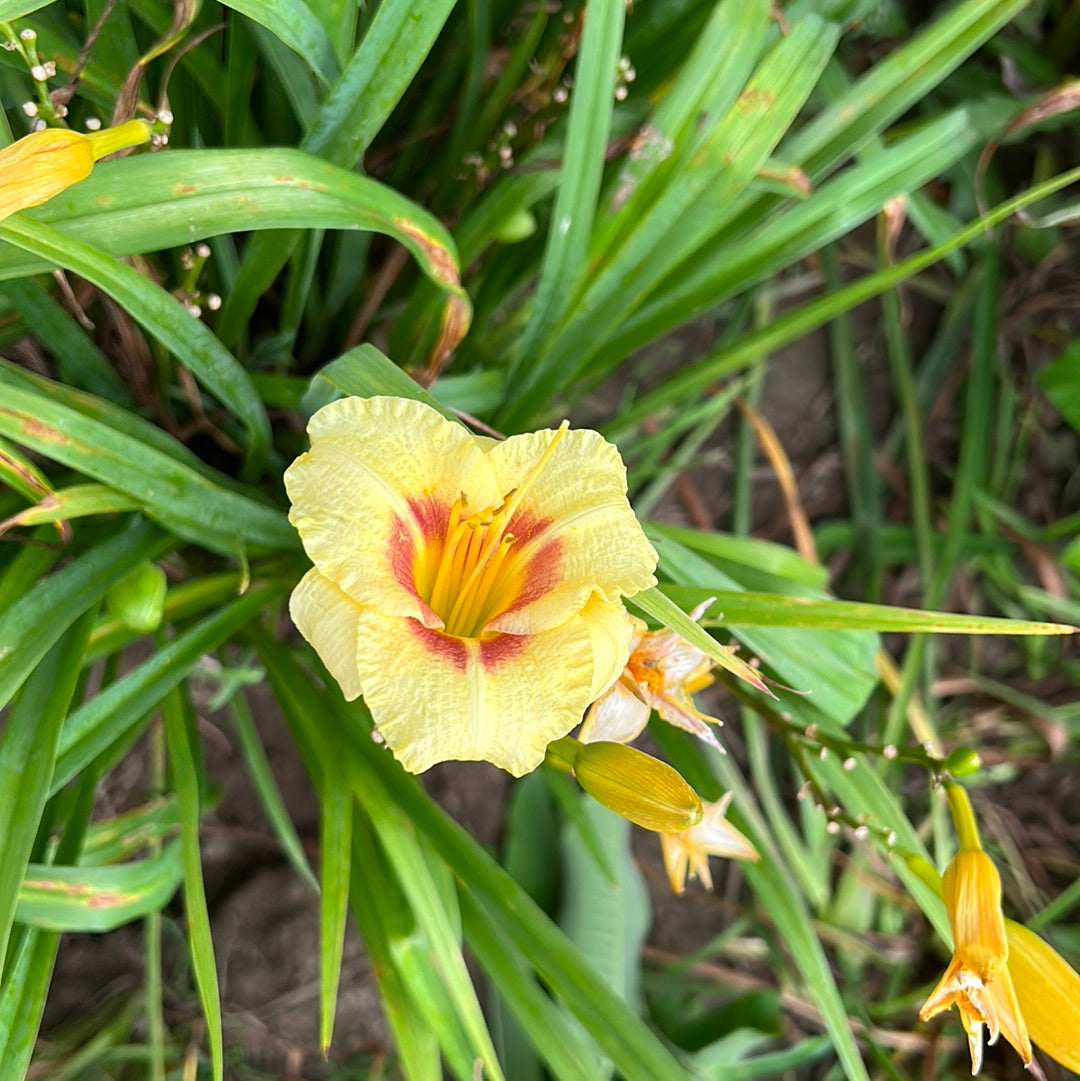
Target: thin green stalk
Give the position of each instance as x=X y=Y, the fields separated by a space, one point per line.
x=746 y=444
x=753 y=348
x=856 y=438
x=155 y=1022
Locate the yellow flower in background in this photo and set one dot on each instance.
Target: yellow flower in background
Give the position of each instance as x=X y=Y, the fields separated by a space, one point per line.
x=688 y=853
x=978 y=981
x=42 y=164
x=662 y=673
x=1002 y=975
x=469 y=589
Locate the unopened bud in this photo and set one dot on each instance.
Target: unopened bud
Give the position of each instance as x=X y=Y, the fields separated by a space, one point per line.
x=519 y=226
x=637 y=786
x=963 y=762
x=138 y=600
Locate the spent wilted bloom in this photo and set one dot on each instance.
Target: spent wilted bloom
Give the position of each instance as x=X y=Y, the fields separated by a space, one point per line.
x=662 y=673
x=42 y=164
x=1002 y=976
x=469 y=589
x=688 y=852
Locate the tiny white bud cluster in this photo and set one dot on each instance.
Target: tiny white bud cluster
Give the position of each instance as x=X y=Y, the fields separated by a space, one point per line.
x=625 y=74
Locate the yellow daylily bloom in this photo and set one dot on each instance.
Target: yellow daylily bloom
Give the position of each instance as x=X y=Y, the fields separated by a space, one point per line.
x=1002 y=975
x=42 y=164
x=688 y=852
x=662 y=673
x=1034 y=998
x=978 y=981
x=469 y=589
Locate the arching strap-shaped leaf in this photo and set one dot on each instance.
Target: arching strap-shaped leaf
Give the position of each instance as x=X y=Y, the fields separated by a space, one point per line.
x=162 y=315
x=149 y=202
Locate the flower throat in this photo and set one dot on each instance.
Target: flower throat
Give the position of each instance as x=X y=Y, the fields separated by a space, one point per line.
x=471 y=574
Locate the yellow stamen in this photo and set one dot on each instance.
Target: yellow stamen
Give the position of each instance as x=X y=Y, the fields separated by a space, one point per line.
x=476 y=577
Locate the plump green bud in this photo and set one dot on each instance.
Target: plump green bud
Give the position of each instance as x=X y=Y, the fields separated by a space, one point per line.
x=138 y=600
x=963 y=762
x=519 y=226
x=637 y=786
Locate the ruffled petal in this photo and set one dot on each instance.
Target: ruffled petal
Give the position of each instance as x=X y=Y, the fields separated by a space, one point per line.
x=611 y=630
x=328 y=619
x=381 y=476
x=619 y=717
x=437 y=698
x=574 y=527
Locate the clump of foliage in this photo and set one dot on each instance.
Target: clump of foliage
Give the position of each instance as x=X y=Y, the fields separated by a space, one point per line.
x=506 y=211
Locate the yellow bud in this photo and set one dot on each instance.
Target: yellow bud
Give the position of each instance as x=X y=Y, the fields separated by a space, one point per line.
x=637 y=786
x=42 y=164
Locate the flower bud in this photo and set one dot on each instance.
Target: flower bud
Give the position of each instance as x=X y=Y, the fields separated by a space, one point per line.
x=637 y=786
x=963 y=762
x=138 y=600
x=42 y=164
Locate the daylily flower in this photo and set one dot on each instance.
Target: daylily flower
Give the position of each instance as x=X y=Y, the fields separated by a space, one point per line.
x=42 y=164
x=1001 y=975
x=662 y=673
x=469 y=589
x=688 y=853
x=978 y=981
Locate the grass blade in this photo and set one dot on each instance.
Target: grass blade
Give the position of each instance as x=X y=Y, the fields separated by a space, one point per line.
x=563 y=263
x=27 y=755
x=179 y=732
x=162 y=315
x=97 y=899
x=337 y=821
x=117 y=710
x=183 y=500
x=34 y=622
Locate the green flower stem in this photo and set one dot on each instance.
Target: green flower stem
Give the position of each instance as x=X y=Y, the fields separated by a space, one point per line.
x=562 y=753
x=967 y=832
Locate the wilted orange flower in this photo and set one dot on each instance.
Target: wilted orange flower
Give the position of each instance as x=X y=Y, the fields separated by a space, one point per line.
x=688 y=853
x=469 y=589
x=42 y=164
x=662 y=673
